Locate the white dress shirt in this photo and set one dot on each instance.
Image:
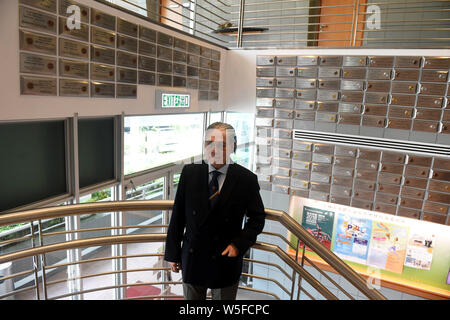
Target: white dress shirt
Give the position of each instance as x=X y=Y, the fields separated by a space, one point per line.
x=221 y=177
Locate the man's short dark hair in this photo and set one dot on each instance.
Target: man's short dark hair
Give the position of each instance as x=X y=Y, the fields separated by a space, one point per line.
x=228 y=128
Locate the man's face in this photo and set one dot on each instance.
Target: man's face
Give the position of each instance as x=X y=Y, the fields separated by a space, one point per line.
x=218 y=148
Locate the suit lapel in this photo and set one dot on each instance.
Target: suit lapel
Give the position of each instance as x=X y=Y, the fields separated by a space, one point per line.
x=228 y=185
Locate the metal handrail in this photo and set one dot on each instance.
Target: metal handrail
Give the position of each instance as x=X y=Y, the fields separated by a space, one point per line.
x=116 y=206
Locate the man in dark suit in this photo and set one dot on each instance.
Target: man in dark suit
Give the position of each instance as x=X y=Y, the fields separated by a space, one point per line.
x=205 y=238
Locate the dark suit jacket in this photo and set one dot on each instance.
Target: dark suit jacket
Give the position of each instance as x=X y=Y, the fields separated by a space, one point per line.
x=197 y=234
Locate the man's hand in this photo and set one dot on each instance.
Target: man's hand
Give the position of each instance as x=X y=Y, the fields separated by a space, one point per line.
x=231 y=251
x=175 y=266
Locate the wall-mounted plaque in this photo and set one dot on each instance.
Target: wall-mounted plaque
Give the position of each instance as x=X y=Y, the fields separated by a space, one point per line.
x=37 y=42
x=73 y=69
x=164 y=53
x=215 y=76
x=215 y=55
x=164 y=80
x=164 y=66
x=47 y=5
x=126 y=59
x=126 y=91
x=126 y=43
x=126 y=75
x=37 y=64
x=103 y=55
x=73 y=88
x=378 y=86
x=103 y=90
x=38 y=86
x=203 y=95
x=215 y=65
x=193 y=48
x=146 y=48
x=206 y=52
x=192 y=83
x=205 y=63
x=214 y=85
x=103 y=37
x=213 y=95
x=179 y=69
x=179 y=44
x=127 y=27
x=79 y=34
x=146 y=78
x=192 y=71
x=179 y=56
x=73 y=49
x=102 y=72
x=164 y=39
x=103 y=20
x=36 y=20
x=147 y=34
x=194 y=61
x=84 y=11
x=203 y=85
x=147 y=63
x=179 y=82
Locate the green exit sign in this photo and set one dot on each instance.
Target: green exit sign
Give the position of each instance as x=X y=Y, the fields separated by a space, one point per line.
x=173 y=100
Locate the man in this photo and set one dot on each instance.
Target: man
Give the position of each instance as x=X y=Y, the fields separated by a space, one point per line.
x=205 y=238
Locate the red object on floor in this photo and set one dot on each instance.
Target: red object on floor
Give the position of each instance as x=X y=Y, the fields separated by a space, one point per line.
x=143 y=291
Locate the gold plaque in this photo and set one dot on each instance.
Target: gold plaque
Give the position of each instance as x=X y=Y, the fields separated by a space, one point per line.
x=126 y=59
x=37 y=20
x=78 y=34
x=147 y=34
x=126 y=43
x=127 y=27
x=37 y=42
x=103 y=20
x=126 y=91
x=73 y=49
x=37 y=64
x=84 y=11
x=37 y=86
x=102 y=37
x=73 y=69
x=126 y=75
x=73 y=88
x=103 y=90
x=102 y=72
x=103 y=55
x=47 y=5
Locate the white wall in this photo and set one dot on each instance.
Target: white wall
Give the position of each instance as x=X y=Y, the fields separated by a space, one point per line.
x=13 y=106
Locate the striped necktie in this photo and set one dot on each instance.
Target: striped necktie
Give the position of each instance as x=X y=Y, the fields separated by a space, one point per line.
x=214 y=188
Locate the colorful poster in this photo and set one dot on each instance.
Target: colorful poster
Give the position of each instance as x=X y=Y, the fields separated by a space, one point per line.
x=319 y=223
x=352 y=238
x=419 y=253
x=387 y=249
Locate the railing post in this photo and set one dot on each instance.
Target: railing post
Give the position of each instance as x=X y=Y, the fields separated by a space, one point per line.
x=43 y=261
x=35 y=264
x=241 y=23
x=355 y=22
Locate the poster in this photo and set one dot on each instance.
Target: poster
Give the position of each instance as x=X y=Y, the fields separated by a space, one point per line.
x=419 y=253
x=319 y=223
x=352 y=238
x=387 y=249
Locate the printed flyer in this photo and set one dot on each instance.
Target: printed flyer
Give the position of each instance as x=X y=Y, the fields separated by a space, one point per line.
x=387 y=249
x=352 y=238
x=319 y=223
x=419 y=253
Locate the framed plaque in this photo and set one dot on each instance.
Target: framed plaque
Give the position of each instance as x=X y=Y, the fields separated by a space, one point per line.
x=215 y=65
x=164 y=80
x=102 y=90
x=179 y=82
x=146 y=63
x=214 y=75
x=164 y=39
x=192 y=71
x=179 y=44
x=164 y=66
x=148 y=49
x=73 y=88
x=35 y=42
x=78 y=34
x=126 y=75
x=147 y=78
x=38 y=86
x=194 y=61
x=164 y=53
x=203 y=85
x=103 y=55
x=147 y=34
x=102 y=37
x=193 y=48
x=126 y=91
x=47 y=5
x=127 y=43
x=103 y=20
x=179 y=56
x=126 y=59
x=84 y=11
x=213 y=95
x=192 y=83
x=73 y=69
x=179 y=69
x=215 y=55
x=73 y=49
x=37 y=64
x=127 y=27
x=205 y=52
x=102 y=72
x=37 y=20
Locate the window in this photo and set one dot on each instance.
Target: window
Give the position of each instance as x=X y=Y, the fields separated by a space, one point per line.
x=152 y=141
x=243 y=124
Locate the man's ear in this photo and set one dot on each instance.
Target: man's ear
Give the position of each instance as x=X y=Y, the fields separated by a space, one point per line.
x=235 y=146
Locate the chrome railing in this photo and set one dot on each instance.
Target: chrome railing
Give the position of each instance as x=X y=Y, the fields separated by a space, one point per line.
x=42 y=281
x=305 y=23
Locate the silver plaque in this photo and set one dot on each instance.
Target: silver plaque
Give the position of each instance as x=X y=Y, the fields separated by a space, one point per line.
x=126 y=43
x=432 y=88
x=147 y=78
x=84 y=11
x=164 y=80
x=103 y=20
x=285 y=82
x=79 y=34
x=103 y=55
x=408 y=62
x=47 y=5
x=354 y=73
x=35 y=42
x=352 y=108
x=284 y=103
x=164 y=53
x=326 y=117
x=329 y=84
x=126 y=75
x=147 y=34
x=179 y=69
x=203 y=74
x=164 y=66
x=102 y=72
x=179 y=56
x=352 y=119
x=127 y=27
x=37 y=20
x=285 y=72
x=260 y=71
x=103 y=37
x=307 y=60
x=126 y=91
x=305 y=115
x=434 y=75
x=215 y=55
x=429 y=101
x=32 y=63
x=287 y=60
x=192 y=83
x=265 y=82
x=146 y=48
x=205 y=63
x=194 y=61
x=146 y=63
x=215 y=65
x=374 y=121
x=264 y=112
x=327 y=95
x=203 y=85
x=306 y=94
x=261 y=102
x=179 y=44
x=126 y=59
x=73 y=69
x=304 y=83
x=328 y=106
x=427 y=126
x=213 y=75
x=38 y=86
x=355 y=61
x=329 y=72
x=352 y=96
x=307 y=72
x=381 y=62
x=406 y=74
x=377 y=98
x=352 y=85
x=304 y=105
x=332 y=61
x=165 y=39
x=379 y=74
x=213 y=95
x=103 y=90
x=73 y=88
x=73 y=49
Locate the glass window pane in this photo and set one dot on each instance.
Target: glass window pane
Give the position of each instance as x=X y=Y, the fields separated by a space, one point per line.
x=152 y=141
x=243 y=124
x=215 y=117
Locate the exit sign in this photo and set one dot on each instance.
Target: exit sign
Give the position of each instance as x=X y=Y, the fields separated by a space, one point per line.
x=174 y=100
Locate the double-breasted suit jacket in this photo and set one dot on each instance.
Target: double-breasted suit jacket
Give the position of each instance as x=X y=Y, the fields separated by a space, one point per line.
x=198 y=234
